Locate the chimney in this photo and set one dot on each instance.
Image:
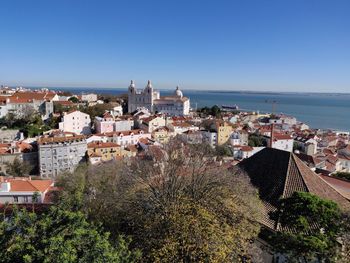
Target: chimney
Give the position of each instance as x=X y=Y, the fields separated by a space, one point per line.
x=5 y=187
x=272 y=135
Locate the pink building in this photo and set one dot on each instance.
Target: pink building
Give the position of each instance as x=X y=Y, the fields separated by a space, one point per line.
x=104 y=124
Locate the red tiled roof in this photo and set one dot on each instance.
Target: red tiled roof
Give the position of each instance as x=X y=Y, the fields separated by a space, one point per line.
x=30 y=96
x=24 y=147
x=343 y=156
x=147 y=120
x=64 y=102
x=107 y=115
x=163 y=128
x=125 y=133
x=181 y=124
x=23 y=185
x=282 y=136
x=43 y=140
x=131 y=148
x=342 y=186
x=246 y=148
x=102 y=145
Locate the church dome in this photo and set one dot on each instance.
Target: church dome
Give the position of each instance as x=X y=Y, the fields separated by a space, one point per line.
x=178 y=92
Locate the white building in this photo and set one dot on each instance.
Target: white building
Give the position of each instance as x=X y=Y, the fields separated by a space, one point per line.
x=20 y=103
x=23 y=190
x=210 y=137
x=181 y=127
x=77 y=122
x=123 y=124
x=344 y=157
x=175 y=105
x=307 y=144
x=281 y=141
x=127 y=138
x=152 y=123
x=90 y=97
x=117 y=111
x=243 y=152
x=104 y=124
x=235 y=139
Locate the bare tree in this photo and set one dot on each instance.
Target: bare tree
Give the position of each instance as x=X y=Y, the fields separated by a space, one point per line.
x=18 y=168
x=177 y=203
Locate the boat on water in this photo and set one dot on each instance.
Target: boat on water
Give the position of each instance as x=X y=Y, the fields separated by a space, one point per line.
x=229 y=107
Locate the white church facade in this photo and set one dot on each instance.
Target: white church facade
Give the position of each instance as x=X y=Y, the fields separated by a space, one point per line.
x=174 y=105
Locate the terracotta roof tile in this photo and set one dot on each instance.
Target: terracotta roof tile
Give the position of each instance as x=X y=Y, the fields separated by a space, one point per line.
x=102 y=145
x=21 y=185
x=278 y=174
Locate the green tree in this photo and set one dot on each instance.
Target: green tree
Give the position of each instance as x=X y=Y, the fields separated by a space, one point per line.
x=344 y=175
x=10 y=119
x=59 y=108
x=52 y=123
x=74 y=99
x=215 y=111
x=312 y=226
x=256 y=140
x=223 y=150
x=18 y=168
x=58 y=236
x=97 y=110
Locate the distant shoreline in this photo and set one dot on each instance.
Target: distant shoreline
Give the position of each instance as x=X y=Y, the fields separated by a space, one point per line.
x=205 y=91
x=328 y=111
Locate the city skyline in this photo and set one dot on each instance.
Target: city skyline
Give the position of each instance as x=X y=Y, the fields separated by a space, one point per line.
x=289 y=46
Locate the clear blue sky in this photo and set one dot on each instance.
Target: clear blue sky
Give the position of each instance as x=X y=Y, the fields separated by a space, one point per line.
x=284 y=45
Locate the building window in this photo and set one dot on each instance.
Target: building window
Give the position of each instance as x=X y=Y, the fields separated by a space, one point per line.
x=25 y=199
x=15 y=199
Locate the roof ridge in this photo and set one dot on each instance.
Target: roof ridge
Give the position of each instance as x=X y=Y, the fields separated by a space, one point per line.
x=277 y=222
x=30 y=182
x=287 y=177
x=301 y=174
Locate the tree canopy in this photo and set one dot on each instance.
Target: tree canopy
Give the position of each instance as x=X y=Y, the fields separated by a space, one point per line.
x=255 y=140
x=73 y=99
x=18 y=168
x=59 y=236
x=311 y=226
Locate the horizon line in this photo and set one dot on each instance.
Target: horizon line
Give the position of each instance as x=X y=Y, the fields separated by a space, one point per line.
x=191 y=89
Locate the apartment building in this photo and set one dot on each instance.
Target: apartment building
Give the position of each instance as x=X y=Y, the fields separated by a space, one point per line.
x=76 y=122
x=60 y=154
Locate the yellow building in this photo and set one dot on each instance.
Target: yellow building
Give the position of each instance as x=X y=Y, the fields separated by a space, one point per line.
x=224 y=131
x=105 y=150
x=162 y=134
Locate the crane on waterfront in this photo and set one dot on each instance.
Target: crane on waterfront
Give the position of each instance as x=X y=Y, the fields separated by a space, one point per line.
x=273 y=104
